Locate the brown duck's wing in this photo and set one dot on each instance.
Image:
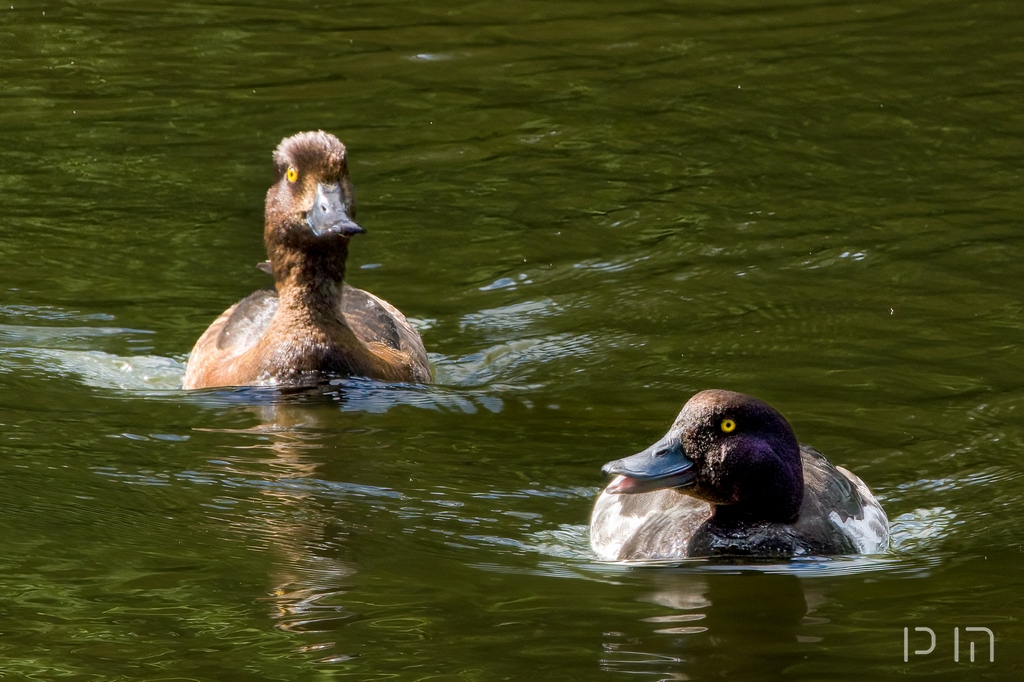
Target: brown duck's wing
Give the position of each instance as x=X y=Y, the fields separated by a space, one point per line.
x=236 y=330
x=375 y=321
x=245 y=323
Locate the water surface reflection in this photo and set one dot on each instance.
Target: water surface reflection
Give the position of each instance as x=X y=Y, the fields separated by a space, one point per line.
x=310 y=568
x=717 y=626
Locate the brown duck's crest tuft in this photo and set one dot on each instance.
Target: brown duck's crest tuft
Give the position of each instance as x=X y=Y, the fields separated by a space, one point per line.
x=317 y=152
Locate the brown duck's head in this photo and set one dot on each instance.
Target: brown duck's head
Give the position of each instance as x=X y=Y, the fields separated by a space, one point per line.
x=310 y=208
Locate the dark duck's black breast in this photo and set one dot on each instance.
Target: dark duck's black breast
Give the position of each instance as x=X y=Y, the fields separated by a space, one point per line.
x=729 y=478
x=312 y=326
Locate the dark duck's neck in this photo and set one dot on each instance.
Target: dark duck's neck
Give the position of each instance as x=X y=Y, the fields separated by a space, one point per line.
x=772 y=491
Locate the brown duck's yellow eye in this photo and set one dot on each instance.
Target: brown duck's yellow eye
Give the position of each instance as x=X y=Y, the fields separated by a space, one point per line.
x=292 y=174
x=728 y=425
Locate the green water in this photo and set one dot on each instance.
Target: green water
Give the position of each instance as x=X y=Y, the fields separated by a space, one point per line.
x=591 y=211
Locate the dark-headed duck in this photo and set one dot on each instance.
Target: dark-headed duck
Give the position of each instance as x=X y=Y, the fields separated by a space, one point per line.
x=730 y=478
x=312 y=326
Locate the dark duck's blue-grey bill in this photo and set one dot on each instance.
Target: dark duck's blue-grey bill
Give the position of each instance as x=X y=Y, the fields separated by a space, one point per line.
x=329 y=214
x=663 y=465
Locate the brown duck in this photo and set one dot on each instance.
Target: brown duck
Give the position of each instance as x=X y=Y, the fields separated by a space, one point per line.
x=312 y=326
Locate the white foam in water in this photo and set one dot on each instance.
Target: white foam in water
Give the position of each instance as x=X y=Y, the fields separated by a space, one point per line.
x=468 y=384
x=500 y=361
x=68 y=350
x=913 y=531
x=105 y=370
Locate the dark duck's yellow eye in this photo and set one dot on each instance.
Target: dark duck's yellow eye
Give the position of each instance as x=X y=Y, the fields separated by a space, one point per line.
x=728 y=425
x=292 y=174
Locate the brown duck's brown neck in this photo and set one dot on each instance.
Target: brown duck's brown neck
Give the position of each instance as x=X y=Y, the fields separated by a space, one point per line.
x=310 y=284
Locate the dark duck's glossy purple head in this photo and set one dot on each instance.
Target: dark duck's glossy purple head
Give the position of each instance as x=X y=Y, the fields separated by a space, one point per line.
x=731 y=450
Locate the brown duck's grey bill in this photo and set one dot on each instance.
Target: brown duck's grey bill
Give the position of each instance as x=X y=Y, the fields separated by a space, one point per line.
x=663 y=465
x=329 y=214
